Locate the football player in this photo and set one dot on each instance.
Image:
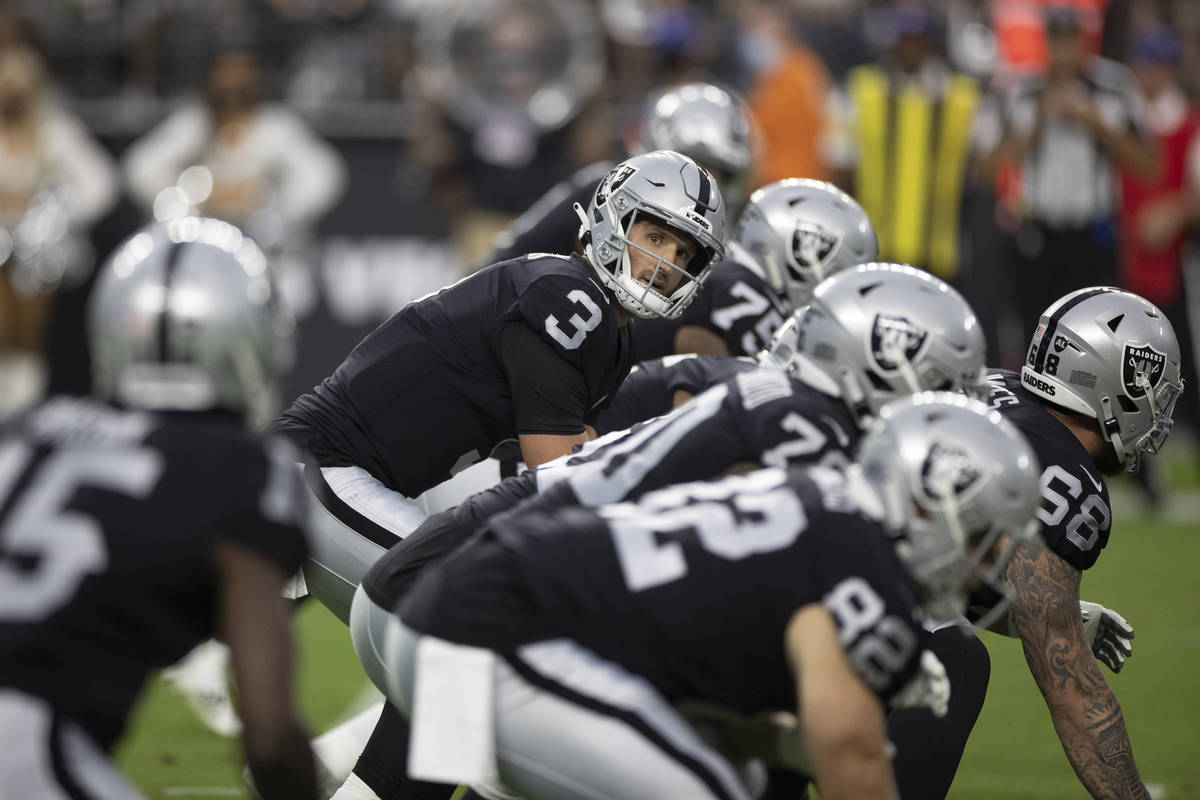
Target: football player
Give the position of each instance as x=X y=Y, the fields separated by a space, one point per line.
x=877 y=332
x=559 y=653
x=524 y=350
x=1096 y=393
x=792 y=235
x=139 y=522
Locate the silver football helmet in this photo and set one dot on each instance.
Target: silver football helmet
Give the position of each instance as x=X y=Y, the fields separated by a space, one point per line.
x=797 y=232
x=1113 y=356
x=706 y=123
x=881 y=331
x=955 y=478
x=668 y=188
x=184 y=317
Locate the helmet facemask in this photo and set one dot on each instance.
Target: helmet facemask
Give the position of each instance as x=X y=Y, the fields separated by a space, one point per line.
x=644 y=299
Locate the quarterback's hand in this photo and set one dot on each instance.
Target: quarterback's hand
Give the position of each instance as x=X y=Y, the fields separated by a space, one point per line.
x=1108 y=634
x=929 y=688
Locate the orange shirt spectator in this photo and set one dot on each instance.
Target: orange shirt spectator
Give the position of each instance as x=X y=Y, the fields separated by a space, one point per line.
x=787 y=96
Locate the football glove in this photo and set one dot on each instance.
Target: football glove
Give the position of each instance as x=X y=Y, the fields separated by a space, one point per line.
x=929 y=688
x=1108 y=634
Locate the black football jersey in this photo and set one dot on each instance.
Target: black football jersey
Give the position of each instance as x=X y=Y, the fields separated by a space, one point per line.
x=1075 y=511
x=734 y=303
x=760 y=417
x=107 y=524
x=429 y=393
x=691 y=588
x=649 y=391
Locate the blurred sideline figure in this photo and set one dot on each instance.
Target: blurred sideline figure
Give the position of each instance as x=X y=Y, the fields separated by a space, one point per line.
x=582 y=640
x=1157 y=212
x=1096 y=394
x=787 y=89
x=1068 y=131
x=234 y=156
x=765 y=417
x=506 y=106
x=55 y=181
x=149 y=517
x=899 y=135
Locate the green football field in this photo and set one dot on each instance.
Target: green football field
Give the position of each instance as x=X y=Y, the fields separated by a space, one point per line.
x=1148 y=572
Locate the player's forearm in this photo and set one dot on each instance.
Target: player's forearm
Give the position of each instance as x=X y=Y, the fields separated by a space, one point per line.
x=853 y=773
x=1093 y=735
x=285 y=770
x=1086 y=716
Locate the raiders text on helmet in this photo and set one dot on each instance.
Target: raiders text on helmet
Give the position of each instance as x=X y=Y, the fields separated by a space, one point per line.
x=797 y=232
x=665 y=187
x=1111 y=355
x=184 y=317
x=955 y=477
x=881 y=331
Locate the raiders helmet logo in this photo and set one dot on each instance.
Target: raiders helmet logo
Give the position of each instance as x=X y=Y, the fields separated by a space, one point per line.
x=1145 y=360
x=616 y=180
x=948 y=468
x=811 y=245
x=893 y=337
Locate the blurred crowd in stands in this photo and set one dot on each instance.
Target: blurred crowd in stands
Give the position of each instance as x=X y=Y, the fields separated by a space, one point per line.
x=1018 y=148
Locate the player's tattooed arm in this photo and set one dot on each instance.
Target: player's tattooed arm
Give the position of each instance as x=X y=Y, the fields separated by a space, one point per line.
x=1086 y=714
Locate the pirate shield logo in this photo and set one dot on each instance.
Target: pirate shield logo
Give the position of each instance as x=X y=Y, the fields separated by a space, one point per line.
x=948 y=469
x=811 y=246
x=616 y=180
x=1141 y=359
x=894 y=338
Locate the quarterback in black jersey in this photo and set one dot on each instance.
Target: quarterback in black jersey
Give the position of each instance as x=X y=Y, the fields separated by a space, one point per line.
x=735 y=600
x=137 y=524
x=523 y=350
x=1096 y=393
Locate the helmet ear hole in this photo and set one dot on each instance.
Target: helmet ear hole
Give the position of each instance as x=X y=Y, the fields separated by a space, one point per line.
x=1127 y=405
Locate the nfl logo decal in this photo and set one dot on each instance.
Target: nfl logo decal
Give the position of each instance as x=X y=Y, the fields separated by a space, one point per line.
x=1146 y=360
x=893 y=337
x=812 y=244
x=947 y=468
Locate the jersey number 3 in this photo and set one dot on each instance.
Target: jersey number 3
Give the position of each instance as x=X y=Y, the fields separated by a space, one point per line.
x=38 y=528
x=579 y=325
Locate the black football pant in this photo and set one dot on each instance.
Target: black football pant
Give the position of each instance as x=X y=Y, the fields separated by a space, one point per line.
x=928 y=749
